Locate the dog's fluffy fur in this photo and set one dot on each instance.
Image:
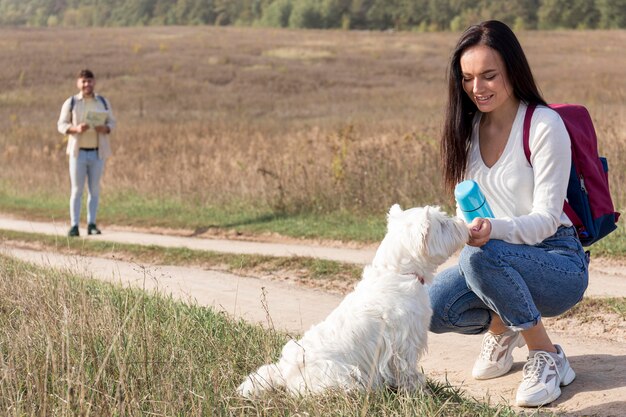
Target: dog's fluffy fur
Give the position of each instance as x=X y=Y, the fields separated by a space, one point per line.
x=377 y=334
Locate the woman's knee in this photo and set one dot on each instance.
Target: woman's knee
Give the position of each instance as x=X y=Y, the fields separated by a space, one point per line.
x=480 y=264
x=473 y=256
x=455 y=307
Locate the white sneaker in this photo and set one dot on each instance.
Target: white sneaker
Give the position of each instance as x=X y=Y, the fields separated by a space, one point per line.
x=544 y=374
x=496 y=358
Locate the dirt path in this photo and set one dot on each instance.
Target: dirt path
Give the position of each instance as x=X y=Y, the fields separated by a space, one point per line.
x=600 y=363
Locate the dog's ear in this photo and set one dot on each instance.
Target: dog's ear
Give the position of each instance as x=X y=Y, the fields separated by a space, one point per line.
x=395 y=210
x=415 y=232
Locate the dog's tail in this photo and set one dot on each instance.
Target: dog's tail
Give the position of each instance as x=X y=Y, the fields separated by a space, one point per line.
x=266 y=378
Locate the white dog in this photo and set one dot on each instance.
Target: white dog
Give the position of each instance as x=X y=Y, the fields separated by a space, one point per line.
x=377 y=334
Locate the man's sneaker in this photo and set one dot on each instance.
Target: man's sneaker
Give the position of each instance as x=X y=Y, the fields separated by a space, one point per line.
x=544 y=374
x=496 y=358
x=73 y=231
x=93 y=230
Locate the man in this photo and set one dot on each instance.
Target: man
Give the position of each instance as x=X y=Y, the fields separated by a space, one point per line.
x=88 y=120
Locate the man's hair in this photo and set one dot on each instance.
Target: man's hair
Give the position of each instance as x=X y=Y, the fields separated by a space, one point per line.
x=86 y=74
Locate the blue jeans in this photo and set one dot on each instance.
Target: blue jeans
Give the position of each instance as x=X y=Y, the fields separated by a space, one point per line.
x=87 y=166
x=520 y=283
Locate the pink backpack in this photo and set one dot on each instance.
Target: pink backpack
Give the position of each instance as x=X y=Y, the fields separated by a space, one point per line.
x=588 y=205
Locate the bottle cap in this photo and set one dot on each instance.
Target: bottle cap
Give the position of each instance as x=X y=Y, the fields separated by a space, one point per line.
x=468 y=195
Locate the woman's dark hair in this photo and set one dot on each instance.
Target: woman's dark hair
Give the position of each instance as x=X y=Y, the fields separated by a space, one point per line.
x=85 y=73
x=461 y=109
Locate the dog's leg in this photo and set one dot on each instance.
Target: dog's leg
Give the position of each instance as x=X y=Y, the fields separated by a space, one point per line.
x=403 y=349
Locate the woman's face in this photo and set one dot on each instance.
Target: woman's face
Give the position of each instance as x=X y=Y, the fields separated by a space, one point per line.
x=485 y=79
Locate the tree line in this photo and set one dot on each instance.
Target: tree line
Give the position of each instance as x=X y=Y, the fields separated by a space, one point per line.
x=421 y=15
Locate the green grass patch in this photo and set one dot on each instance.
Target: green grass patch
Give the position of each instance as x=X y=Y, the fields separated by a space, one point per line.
x=131 y=209
x=612 y=246
x=73 y=346
x=251 y=265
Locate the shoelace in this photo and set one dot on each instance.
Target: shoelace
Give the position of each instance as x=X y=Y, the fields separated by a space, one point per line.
x=534 y=369
x=489 y=346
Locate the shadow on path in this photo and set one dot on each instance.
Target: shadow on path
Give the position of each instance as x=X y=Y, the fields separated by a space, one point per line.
x=265 y=218
x=611 y=408
x=596 y=373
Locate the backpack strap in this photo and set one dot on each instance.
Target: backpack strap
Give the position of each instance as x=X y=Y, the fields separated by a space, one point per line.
x=99 y=97
x=72 y=102
x=569 y=211
x=526 y=135
x=103 y=101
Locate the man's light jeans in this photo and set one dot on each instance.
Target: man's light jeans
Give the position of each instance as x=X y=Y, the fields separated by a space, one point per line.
x=86 y=167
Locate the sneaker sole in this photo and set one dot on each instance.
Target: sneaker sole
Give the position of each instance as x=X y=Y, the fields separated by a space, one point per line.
x=524 y=403
x=508 y=364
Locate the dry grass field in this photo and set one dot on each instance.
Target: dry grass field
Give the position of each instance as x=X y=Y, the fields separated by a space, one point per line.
x=295 y=120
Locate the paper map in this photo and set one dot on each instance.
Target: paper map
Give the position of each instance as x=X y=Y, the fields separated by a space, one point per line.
x=96 y=118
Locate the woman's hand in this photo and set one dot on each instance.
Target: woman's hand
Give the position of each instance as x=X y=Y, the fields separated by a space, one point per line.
x=480 y=231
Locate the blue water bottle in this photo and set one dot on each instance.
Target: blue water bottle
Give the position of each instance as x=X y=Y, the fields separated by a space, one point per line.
x=471 y=200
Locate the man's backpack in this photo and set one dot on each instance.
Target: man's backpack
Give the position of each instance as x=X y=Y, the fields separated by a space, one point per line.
x=588 y=205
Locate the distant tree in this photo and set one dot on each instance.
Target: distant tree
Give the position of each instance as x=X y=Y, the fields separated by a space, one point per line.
x=396 y=14
x=133 y=12
x=519 y=24
x=519 y=13
x=612 y=14
x=11 y=14
x=510 y=11
x=357 y=14
x=52 y=21
x=440 y=14
x=71 y=18
x=569 y=14
x=306 y=14
x=348 y=14
x=377 y=15
x=185 y=12
x=164 y=14
x=584 y=15
x=246 y=13
x=226 y=11
x=410 y=13
x=466 y=18
x=549 y=14
x=39 y=18
x=277 y=14
x=334 y=12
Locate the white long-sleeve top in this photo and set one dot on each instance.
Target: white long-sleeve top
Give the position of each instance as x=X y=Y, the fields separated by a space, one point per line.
x=527 y=201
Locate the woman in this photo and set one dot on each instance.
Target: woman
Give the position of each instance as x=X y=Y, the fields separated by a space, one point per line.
x=527 y=262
